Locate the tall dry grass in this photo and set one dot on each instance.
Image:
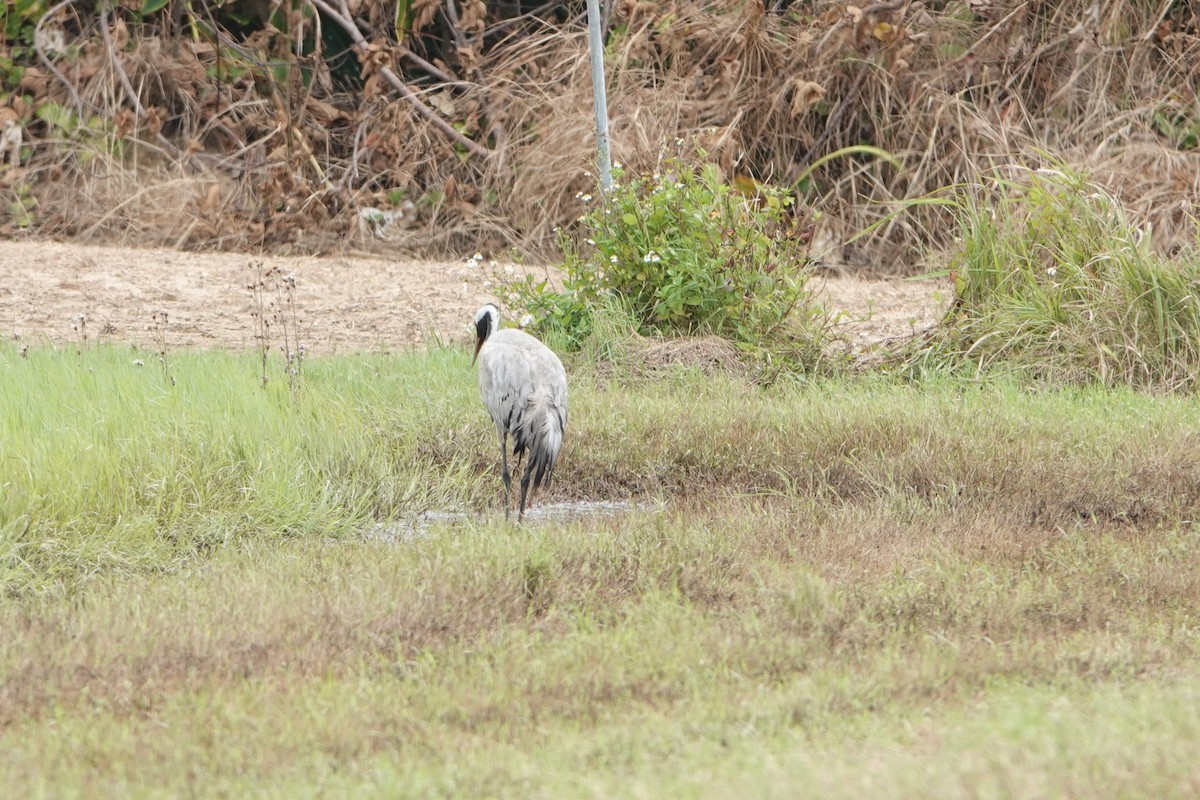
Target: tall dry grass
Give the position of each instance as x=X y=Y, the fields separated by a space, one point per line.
x=286 y=151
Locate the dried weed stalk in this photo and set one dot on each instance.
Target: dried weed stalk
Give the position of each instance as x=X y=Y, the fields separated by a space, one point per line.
x=158 y=330
x=274 y=313
x=79 y=325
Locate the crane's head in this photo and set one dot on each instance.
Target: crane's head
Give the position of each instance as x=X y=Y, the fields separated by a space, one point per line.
x=487 y=320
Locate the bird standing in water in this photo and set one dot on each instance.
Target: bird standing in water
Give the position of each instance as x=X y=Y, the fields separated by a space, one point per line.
x=524 y=387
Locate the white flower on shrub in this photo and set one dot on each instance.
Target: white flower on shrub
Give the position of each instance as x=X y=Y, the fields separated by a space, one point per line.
x=651 y=258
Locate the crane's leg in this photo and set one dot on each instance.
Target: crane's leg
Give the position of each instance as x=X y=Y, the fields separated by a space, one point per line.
x=524 y=488
x=504 y=474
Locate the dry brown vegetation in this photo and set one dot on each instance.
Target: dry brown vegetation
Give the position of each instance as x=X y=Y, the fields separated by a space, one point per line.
x=213 y=130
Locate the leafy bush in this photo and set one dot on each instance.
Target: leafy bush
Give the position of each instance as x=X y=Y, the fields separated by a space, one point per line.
x=682 y=252
x=1053 y=280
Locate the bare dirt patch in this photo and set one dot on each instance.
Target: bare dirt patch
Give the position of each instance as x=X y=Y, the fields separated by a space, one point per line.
x=878 y=310
x=353 y=302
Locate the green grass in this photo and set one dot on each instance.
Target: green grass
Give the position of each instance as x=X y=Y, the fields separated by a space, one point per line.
x=1055 y=283
x=847 y=587
x=104 y=467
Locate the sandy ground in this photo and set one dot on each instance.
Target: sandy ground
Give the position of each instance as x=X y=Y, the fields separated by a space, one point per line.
x=344 y=303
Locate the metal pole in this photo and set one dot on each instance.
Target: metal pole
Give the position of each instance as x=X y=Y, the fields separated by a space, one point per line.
x=600 y=94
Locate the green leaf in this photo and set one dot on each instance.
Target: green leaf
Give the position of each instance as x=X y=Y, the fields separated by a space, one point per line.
x=401 y=20
x=57 y=116
x=629 y=219
x=151 y=6
x=857 y=149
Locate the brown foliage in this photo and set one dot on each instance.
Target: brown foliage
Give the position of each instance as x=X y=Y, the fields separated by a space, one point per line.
x=301 y=144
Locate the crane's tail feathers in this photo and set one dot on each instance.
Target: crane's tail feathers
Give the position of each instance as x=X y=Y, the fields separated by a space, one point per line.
x=541 y=433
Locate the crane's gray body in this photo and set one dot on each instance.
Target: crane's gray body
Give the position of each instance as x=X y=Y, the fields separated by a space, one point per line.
x=524 y=387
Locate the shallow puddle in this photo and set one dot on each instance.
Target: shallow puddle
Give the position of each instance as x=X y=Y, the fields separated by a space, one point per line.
x=409 y=528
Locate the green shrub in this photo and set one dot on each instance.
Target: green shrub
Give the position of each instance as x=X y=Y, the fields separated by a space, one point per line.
x=681 y=251
x=1053 y=280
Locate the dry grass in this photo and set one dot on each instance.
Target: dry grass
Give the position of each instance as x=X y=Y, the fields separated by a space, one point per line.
x=487 y=660
x=1108 y=88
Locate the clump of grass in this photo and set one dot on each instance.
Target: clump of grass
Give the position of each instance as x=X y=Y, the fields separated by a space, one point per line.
x=1055 y=282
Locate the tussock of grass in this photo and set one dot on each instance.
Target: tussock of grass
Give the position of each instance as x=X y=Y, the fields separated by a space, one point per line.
x=1054 y=281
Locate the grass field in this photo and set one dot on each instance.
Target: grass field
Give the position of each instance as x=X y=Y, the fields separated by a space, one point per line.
x=846 y=588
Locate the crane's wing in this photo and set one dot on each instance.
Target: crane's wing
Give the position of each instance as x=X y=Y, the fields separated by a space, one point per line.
x=517 y=374
x=506 y=382
x=556 y=387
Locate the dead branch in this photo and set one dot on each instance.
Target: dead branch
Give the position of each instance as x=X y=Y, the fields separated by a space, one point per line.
x=408 y=55
x=489 y=108
x=45 y=59
x=139 y=110
x=511 y=22
x=433 y=71
x=401 y=88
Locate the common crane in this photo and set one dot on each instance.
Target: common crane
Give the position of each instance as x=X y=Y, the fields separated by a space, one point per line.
x=524 y=387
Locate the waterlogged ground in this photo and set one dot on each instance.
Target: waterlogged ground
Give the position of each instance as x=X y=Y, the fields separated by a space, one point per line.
x=410 y=527
x=66 y=293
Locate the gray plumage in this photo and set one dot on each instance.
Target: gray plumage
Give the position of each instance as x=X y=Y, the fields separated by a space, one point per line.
x=524 y=387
